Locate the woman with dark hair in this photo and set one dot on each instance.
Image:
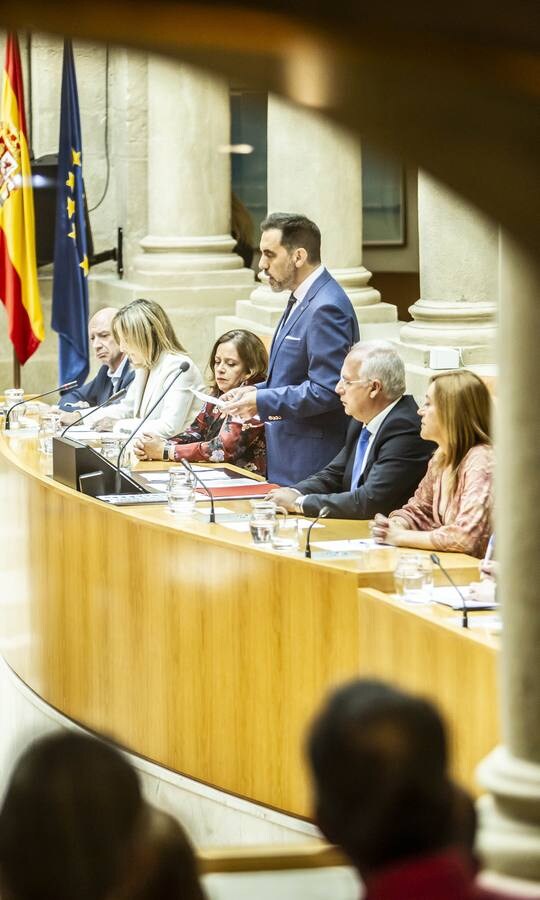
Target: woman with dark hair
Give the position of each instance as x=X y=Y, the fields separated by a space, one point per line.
x=70 y=821
x=452 y=504
x=238 y=357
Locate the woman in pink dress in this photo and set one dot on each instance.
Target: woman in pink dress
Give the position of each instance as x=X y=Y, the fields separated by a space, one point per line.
x=451 y=509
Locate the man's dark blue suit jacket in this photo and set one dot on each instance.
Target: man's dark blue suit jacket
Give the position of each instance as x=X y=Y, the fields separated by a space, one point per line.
x=98 y=389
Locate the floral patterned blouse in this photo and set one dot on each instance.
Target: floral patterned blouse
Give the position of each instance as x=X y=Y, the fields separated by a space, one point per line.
x=465 y=524
x=213 y=437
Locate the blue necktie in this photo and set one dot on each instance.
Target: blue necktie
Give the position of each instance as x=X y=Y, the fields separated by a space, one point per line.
x=361 y=448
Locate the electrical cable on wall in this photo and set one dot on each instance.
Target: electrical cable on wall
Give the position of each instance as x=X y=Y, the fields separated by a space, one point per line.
x=106 y=140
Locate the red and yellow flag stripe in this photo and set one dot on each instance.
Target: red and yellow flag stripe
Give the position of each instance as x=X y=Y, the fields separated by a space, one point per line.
x=18 y=273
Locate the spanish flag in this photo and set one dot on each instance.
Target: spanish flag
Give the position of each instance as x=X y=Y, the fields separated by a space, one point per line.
x=18 y=274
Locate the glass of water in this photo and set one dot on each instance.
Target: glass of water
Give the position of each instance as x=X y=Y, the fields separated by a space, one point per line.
x=286 y=536
x=110 y=446
x=181 y=497
x=49 y=425
x=263 y=522
x=411 y=579
x=11 y=397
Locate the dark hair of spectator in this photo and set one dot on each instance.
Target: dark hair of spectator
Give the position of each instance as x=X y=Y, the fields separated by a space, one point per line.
x=167 y=866
x=70 y=816
x=378 y=759
x=296 y=232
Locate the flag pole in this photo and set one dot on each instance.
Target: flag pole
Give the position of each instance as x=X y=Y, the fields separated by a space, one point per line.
x=16 y=371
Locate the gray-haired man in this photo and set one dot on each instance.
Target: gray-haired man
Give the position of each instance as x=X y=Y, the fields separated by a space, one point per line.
x=384 y=457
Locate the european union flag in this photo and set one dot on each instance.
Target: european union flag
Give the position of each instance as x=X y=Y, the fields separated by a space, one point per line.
x=70 y=284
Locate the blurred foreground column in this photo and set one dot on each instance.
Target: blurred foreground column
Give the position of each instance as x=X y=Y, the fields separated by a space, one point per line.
x=510 y=813
x=315 y=168
x=458 y=284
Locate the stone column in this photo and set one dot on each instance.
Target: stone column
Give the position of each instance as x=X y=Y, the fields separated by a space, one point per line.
x=458 y=284
x=187 y=262
x=314 y=167
x=510 y=813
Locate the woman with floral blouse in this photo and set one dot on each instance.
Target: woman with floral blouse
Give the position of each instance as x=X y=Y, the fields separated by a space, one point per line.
x=238 y=357
x=451 y=509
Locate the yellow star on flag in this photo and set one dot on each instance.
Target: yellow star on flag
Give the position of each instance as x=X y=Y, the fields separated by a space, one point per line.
x=71 y=180
x=76 y=157
x=85 y=265
x=73 y=233
x=70 y=207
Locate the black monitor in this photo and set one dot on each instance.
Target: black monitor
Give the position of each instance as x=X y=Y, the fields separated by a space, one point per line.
x=84 y=469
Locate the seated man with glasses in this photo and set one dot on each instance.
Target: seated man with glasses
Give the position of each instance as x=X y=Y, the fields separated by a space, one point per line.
x=384 y=457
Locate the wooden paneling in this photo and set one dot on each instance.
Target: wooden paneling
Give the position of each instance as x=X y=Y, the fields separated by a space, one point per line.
x=185 y=642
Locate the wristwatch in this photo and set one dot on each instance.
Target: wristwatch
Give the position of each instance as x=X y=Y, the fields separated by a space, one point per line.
x=299 y=503
x=168 y=450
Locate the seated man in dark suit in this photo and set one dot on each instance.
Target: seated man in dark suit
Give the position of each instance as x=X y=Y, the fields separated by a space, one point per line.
x=384 y=456
x=382 y=792
x=114 y=374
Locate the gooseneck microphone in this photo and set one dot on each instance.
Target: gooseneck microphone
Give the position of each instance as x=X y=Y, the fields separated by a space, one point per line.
x=323 y=512
x=62 y=387
x=181 y=369
x=464 y=613
x=119 y=394
x=206 y=490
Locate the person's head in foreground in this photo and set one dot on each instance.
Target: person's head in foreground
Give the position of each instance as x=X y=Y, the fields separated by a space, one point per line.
x=143 y=330
x=456 y=415
x=378 y=761
x=290 y=250
x=238 y=357
x=71 y=817
x=166 y=867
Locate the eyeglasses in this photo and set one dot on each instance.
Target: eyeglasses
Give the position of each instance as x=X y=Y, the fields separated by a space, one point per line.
x=347 y=383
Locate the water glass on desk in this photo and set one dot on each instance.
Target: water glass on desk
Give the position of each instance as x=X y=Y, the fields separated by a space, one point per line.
x=286 y=536
x=11 y=397
x=49 y=426
x=263 y=521
x=413 y=578
x=181 y=497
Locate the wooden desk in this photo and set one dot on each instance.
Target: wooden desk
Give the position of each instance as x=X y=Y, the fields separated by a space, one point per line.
x=182 y=640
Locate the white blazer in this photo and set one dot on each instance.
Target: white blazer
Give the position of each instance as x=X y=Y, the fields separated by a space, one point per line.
x=175 y=412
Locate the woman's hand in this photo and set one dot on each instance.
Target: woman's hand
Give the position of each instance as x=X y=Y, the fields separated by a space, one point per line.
x=389 y=531
x=148 y=446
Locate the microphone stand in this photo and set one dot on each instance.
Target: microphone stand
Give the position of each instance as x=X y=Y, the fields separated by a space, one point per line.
x=323 y=512
x=62 y=387
x=189 y=468
x=121 y=393
x=183 y=368
x=464 y=612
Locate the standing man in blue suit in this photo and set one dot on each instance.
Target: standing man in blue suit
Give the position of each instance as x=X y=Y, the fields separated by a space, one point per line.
x=115 y=372
x=304 y=421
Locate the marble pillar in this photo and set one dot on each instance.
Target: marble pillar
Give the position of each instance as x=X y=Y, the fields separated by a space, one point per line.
x=458 y=284
x=314 y=168
x=186 y=260
x=510 y=812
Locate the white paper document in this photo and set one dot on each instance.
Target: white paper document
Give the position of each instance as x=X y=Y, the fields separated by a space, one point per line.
x=207 y=398
x=352 y=546
x=448 y=596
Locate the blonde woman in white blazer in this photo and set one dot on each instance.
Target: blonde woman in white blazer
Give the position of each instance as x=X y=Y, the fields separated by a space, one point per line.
x=144 y=332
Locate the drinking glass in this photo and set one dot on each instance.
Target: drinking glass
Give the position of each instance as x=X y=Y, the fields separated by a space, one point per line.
x=263 y=521
x=48 y=427
x=110 y=446
x=181 y=497
x=412 y=578
x=11 y=397
x=286 y=537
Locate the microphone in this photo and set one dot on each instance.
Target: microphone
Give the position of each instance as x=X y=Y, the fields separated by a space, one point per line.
x=198 y=479
x=181 y=369
x=62 y=387
x=464 y=612
x=323 y=512
x=121 y=393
